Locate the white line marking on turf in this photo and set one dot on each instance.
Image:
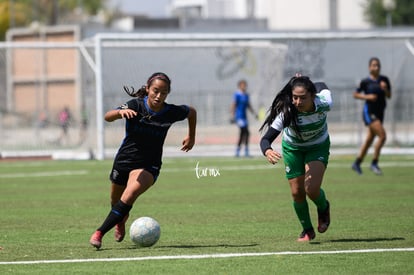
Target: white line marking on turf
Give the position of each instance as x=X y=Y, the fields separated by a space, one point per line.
x=211 y=256
x=267 y=166
x=45 y=174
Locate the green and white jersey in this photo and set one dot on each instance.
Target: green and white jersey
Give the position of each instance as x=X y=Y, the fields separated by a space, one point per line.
x=312 y=126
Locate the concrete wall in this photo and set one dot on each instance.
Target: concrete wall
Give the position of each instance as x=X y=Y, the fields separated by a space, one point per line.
x=43 y=80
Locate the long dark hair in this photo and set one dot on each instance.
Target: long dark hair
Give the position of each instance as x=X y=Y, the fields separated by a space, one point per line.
x=142 y=92
x=283 y=103
x=374 y=59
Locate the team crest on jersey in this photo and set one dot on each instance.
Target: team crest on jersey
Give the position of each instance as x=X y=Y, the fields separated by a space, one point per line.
x=115 y=174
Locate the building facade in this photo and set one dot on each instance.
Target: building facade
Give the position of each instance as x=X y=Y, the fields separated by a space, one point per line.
x=280 y=14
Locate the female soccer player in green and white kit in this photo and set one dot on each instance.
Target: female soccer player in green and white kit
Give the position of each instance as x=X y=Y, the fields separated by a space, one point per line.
x=299 y=110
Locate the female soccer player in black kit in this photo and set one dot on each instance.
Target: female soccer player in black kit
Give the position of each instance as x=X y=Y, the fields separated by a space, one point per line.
x=374 y=89
x=138 y=161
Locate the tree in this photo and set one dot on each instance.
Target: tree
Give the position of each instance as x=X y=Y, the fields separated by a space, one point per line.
x=401 y=15
x=20 y=13
x=19 y=18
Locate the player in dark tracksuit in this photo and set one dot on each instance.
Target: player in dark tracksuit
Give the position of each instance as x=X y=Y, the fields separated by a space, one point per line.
x=138 y=161
x=374 y=89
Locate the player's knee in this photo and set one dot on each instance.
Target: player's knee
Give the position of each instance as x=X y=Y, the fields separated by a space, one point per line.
x=382 y=136
x=298 y=195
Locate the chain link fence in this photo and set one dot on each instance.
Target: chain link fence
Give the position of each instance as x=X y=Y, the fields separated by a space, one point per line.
x=204 y=74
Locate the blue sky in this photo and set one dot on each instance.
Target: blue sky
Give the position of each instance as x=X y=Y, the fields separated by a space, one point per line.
x=152 y=8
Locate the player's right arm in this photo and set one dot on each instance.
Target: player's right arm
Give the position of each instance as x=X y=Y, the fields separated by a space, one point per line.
x=124 y=111
x=359 y=93
x=369 y=97
x=119 y=113
x=233 y=109
x=265 y=145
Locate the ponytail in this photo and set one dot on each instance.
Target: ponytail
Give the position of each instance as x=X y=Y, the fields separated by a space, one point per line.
x=142 y=92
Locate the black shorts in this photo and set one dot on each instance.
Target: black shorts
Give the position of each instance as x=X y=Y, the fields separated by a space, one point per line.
x=370 y=117
x=120 y=176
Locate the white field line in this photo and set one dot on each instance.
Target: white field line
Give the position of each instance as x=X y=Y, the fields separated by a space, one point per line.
x=264 y=166
x=280 y=165
x=45 y=174
x=211 y=256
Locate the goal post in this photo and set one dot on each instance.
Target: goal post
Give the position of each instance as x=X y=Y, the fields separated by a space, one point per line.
x=204 y=69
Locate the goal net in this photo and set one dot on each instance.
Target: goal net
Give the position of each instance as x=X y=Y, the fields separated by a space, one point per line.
x=204 y=69
x=204 y=74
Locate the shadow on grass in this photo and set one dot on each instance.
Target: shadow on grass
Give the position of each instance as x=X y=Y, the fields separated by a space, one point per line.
x=133 y=247
x=368 y=240
x=207 y=246
x=197 y=246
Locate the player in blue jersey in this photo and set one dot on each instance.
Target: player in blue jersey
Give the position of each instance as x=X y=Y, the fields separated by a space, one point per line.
x=374 y=89
x=241 y=103
x=138 y=161
x=299 y=110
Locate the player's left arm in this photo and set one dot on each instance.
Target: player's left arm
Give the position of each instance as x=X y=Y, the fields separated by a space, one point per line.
x=189 y=140
x=386 y=87
x=324 y=92
x=249 y=106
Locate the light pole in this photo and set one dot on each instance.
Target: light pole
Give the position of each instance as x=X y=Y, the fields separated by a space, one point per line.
x=389 y=6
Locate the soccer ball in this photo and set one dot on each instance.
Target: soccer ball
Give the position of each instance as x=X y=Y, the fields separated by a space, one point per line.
x=145 y=231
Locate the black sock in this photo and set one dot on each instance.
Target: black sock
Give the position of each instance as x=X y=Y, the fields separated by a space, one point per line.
x=118 y=212
x=374 y=162
x=358 y=161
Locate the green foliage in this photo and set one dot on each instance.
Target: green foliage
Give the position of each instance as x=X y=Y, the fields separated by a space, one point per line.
x=49 y=209
x=20 y=13
x=402 y=15
x=89 y=7
x=20 y=18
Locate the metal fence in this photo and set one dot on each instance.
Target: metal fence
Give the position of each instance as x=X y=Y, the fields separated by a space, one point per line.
x=204 y=69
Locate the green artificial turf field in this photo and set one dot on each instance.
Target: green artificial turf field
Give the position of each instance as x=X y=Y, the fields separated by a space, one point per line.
x=231 y=216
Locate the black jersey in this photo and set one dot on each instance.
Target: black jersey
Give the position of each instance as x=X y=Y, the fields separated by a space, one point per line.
x=145 y=134
x=370 y=86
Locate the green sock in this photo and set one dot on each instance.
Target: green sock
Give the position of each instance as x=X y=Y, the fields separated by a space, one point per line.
x=320 y=201
x=302 y=211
